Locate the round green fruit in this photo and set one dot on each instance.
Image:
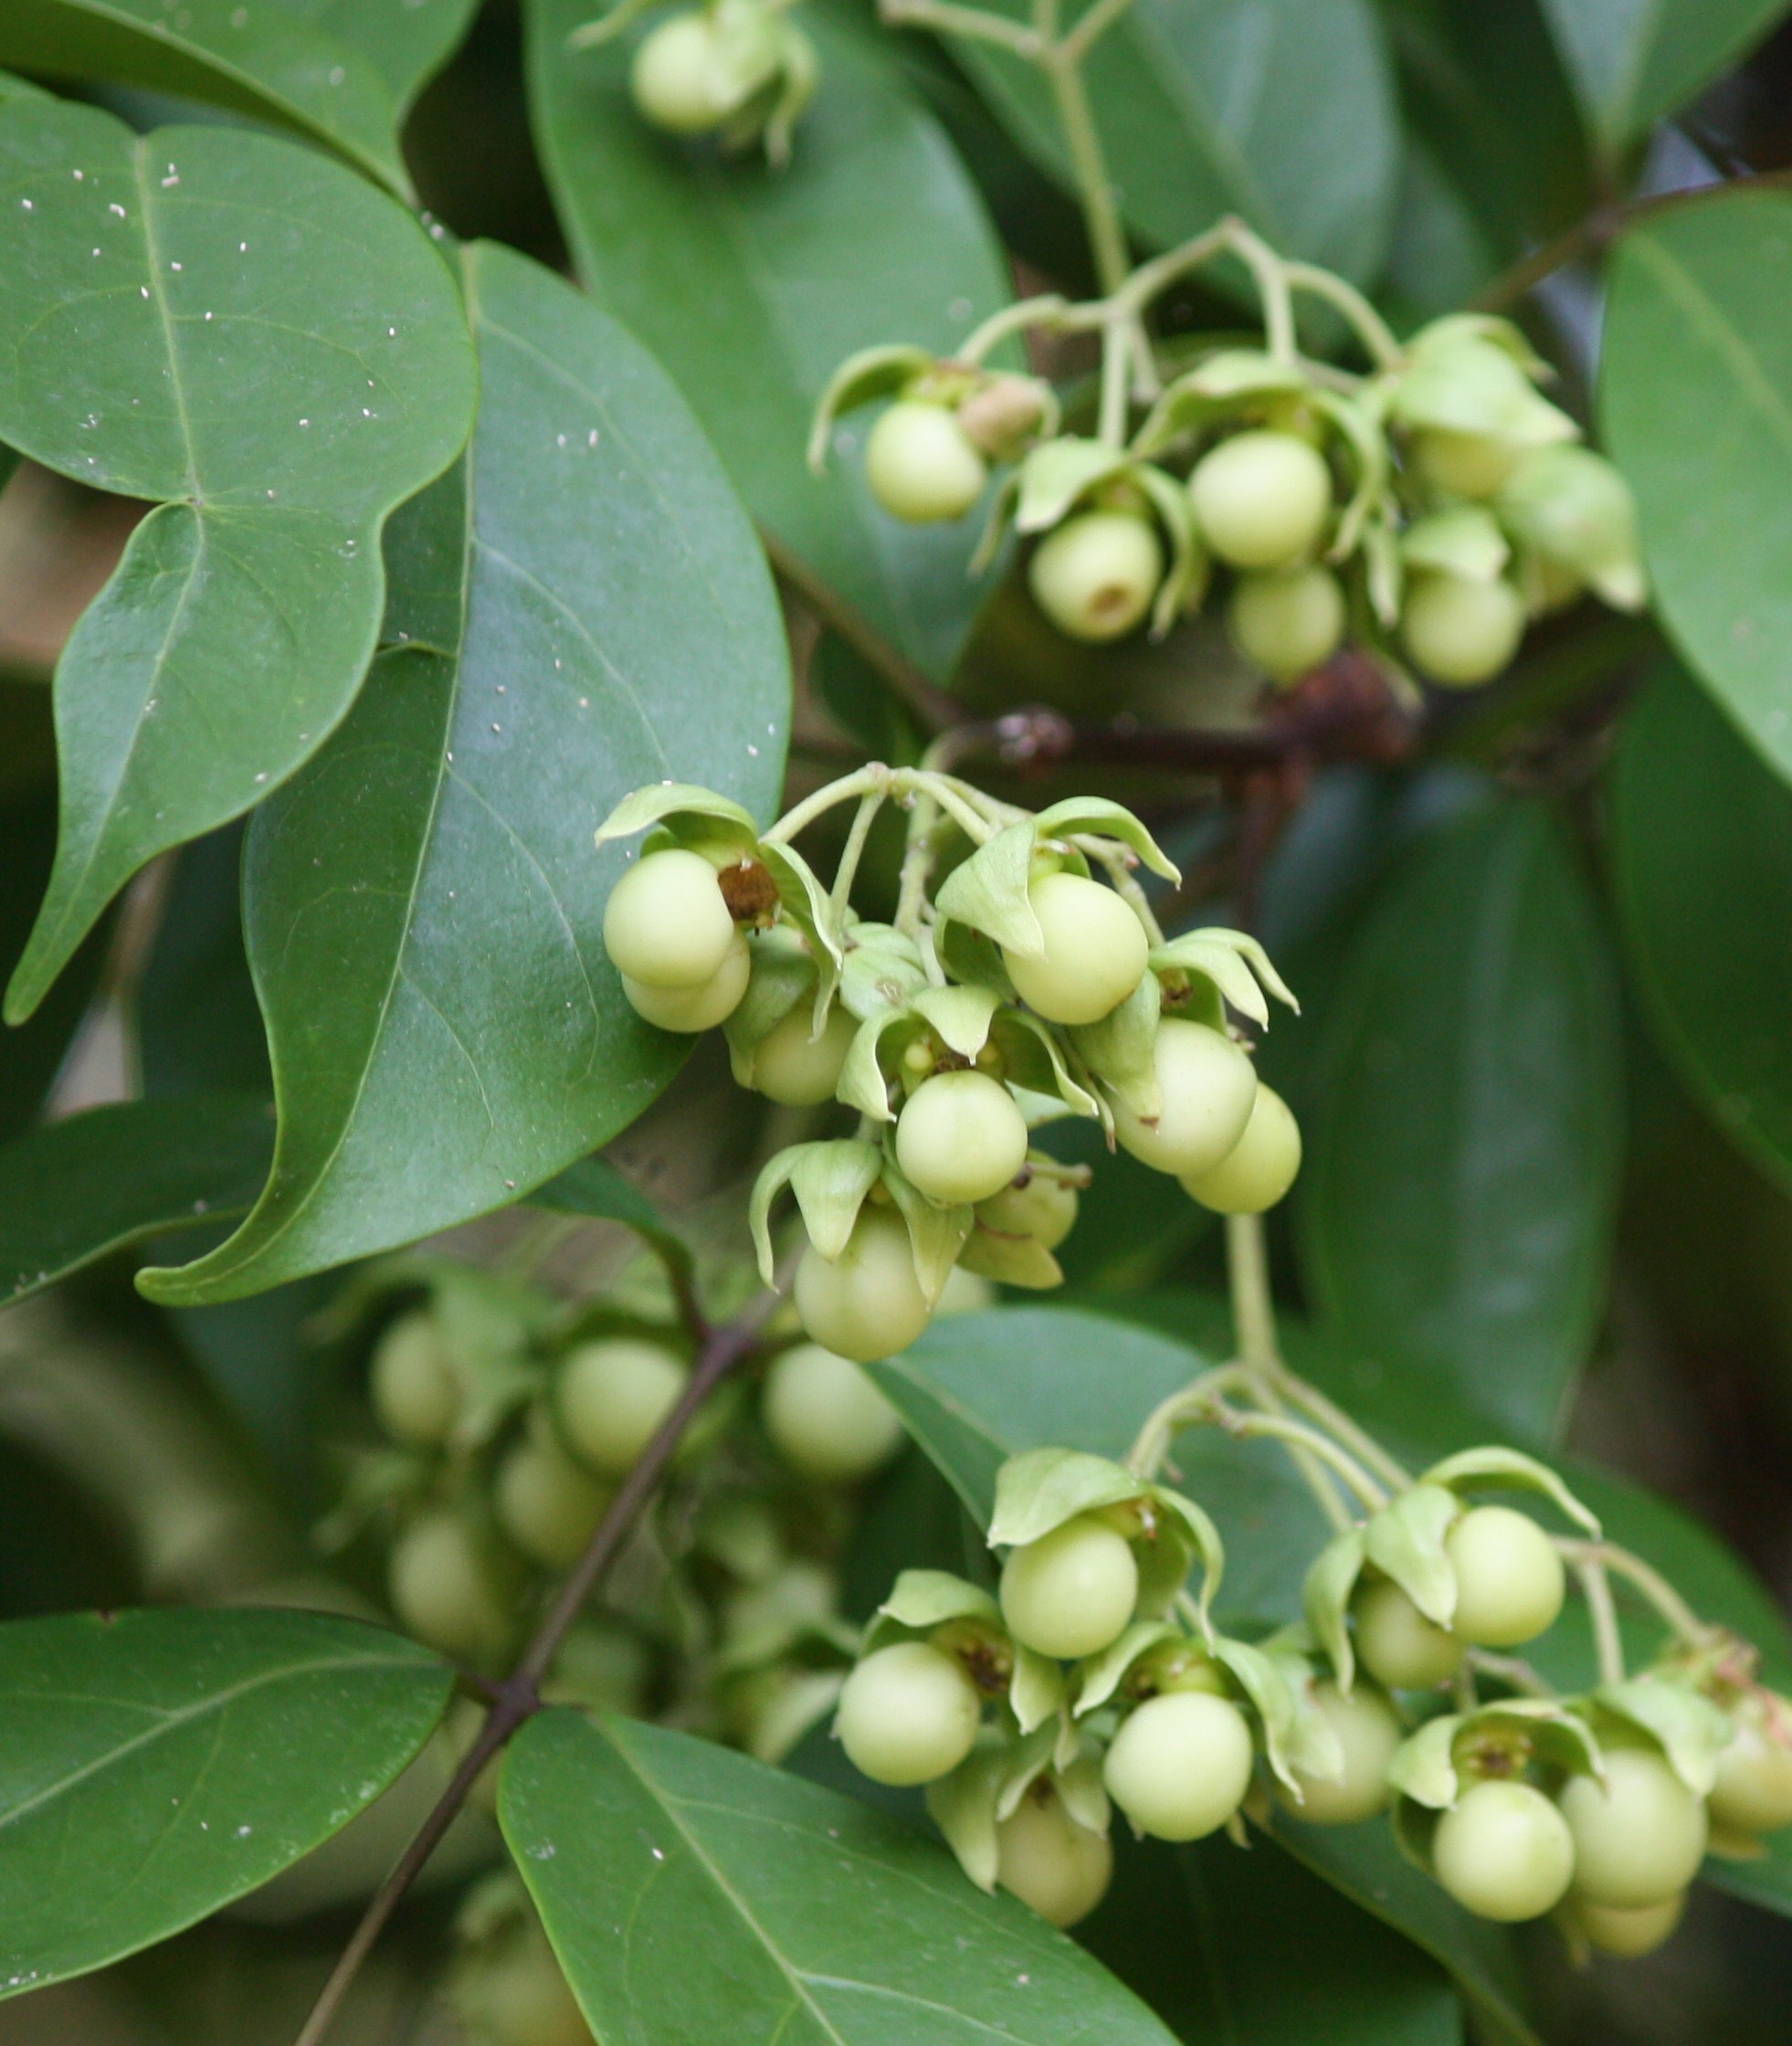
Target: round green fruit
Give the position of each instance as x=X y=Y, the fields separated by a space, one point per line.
x=908 y=1714
x=665 y=924
x=921 y=465
x=1261 y=499
x=1628 y=1935
x=1095 y=575
x=412 y=1384
x=866 y=1304
x=1640 y=1836
x=1094 y=953
x=612 y=1396
x=1471 y=465
x=1368 y=1730
x=673 y=78
x=1398 y=1645
x=1461 y=629
x=825 y=1419
x=1503 y=1851
x=690 y=1011
x=1034 y=1204
x=1072 y=1592
x=965 y=1293
x=444 y=1589
x=1179 y=1766
x=1287 y=620
x=1260 y=1166
x=546 y=1504
x=798 y=1071
x=961 y=1137
x=1208 y=1085
x=1050 y=1861
x=1753 y=1788
x=1509 y=1582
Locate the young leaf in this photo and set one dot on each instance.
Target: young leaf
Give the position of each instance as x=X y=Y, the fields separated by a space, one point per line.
x=1495 y=1466
x=1042 y=1489
x=988 y=891
x=1424 y=1764
x=1406 y=1540
x=424 y=904
x=691 y=1893
x=1325 y=1600
x=1691 y=1730
x=251 y=337
x=154 y=1765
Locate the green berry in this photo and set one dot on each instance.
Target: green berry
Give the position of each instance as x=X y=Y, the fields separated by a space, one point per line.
x=798 y=1071
x=1038 y=1205
x=1260 y=1166
x=1503 y=1851
x=1368 y=1730
x=665 y=924
x=866 y=1304
x=825 y=1419
x=1050 y=1861
x=1461 y=629
x=690 y=1011
x=1753 y=1788
x=1630 y=1934
x=921 y=465
x=1287 y=620
x=1640 y=1836
x=1208 y=1085
x=908 y=1714
x=518 y=1997
x=1509 y=1582
x=612 y=1397
x=601 y=1666
x=1095 y=575
x=1471 y=465
x=961 y=1137
x=674 y=79
x=1398 y=1645
x=1072 y=1592
x=444 y=1588
x=546 y=1504
x=1179 y=1766
x=1095 y=955
x=965 y=1293
x=1261 y=499
x=412 y=1383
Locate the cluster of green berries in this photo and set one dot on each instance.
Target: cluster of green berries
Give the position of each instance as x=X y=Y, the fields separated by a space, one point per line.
x=1027 y=991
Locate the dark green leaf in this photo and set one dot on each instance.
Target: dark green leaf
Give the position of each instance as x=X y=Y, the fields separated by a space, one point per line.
x=197 y=1024
x=585 y=609
x=1632 y=64
x=753 y=286
x=74 y=1190
x=1456 y=1204
x=249 y=334
x=1696 y=402
x=691 y=1893
x=594 y=1186
x=155 y=1765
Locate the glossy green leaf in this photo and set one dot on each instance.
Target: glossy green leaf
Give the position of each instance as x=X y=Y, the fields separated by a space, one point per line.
x=155 y=1765
x=1456 y=1204
x=74 y=1190
x=1695 y=401
x=693 y=1894
x=1632 y=61
x=198 y=1027
x=582 y=607
x=753 y=286
x=343 y=70
x=248 y=334
x=1284 y=115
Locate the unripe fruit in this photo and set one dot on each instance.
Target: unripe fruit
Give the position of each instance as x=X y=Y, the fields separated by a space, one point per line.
x=665 y=923
x=689 y=1010
x=412 y=1384
x=1509 y=1582
x=1640 y=1839
x=920 y=463
x=1050 y=1861
x=443 y=1589
x=546 y=1504
x=519 y=1996
x=1628 y=1934
x=1287 y=620
x=1471 y=465
x=825 y=1417
x=1368 y=1730
x=866 y=1304
x=965 y=1293
x=796 y=1071
x=1261 y=499
x=671 y=79
x=1503 y=1851
x=1180 y=1766
x=961 y=1137
x=1072 y=1591
x=1095 y=951
x=1209 y=1086
x=1398 y=1645
x=612 y=1397
x=1044 y=1208
x=1461 y=629
x=908 y=1714
x=1754 y=1787
x=1095 y=575
x=1260 y=1166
